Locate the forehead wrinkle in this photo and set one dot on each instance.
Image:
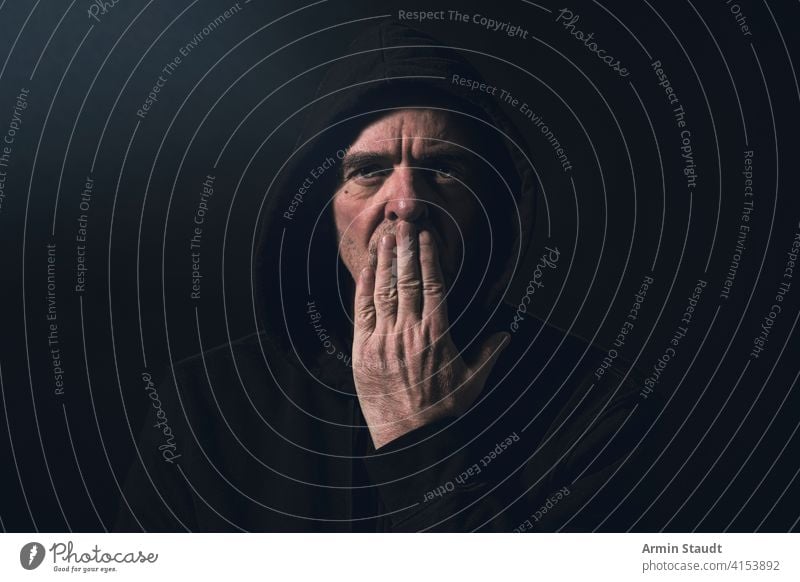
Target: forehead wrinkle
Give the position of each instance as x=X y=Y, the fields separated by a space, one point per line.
x=404 y=126
x=429 y=148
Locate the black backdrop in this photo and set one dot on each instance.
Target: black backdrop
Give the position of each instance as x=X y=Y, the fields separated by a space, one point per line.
x=625 y=210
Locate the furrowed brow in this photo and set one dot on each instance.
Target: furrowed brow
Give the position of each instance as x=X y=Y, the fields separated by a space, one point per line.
x=436 y=156
x=445 y=156
x=360 y=159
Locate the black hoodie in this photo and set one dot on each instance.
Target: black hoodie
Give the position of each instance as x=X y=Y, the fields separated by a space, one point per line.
x=269 y=433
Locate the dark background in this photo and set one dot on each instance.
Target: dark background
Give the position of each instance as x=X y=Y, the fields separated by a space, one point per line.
x=734 y=418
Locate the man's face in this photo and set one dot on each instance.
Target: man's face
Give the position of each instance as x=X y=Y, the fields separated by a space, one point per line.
x=411 y=165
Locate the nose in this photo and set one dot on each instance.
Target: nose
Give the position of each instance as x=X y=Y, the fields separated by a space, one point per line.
x=407 y=196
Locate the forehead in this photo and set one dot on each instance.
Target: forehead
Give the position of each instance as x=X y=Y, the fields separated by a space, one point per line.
x=418 y=129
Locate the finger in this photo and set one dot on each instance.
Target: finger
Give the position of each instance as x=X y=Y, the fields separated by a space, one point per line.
x=385 y=283
x=488 y=354
x=409 y=286
x=433 y=289
x=364 y=311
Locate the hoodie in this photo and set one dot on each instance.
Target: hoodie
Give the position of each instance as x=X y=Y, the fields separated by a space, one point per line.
x=268 y=429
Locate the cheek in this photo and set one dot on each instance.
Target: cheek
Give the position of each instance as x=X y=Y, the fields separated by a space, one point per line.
x=351 y=220
x=355 y=224
x=341 y=216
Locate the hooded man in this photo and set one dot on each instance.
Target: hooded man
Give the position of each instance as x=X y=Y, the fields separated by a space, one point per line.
x=384 y=391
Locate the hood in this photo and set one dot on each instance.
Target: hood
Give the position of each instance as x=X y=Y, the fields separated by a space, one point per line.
x=303 y=301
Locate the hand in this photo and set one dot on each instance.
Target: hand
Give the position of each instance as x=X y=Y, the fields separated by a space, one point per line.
x=407 y=371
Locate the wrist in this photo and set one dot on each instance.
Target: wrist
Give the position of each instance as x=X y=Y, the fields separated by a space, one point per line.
x=383 y=434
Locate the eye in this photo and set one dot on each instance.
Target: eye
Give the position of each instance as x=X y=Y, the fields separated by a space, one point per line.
x=368 y=172
x=446 y=173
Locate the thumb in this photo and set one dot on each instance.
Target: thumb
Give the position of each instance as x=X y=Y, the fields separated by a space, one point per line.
x=489 y=352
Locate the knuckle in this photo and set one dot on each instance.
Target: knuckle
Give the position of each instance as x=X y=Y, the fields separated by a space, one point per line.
x=433 y=288
x=386 y=303
x=366 y=314
x=410 y=285
x=386 y=293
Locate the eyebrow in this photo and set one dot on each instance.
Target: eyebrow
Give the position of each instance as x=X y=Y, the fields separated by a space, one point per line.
x=360 y=159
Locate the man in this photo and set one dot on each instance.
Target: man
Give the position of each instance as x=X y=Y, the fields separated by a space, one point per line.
x=404 y=197
x=384 y=391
